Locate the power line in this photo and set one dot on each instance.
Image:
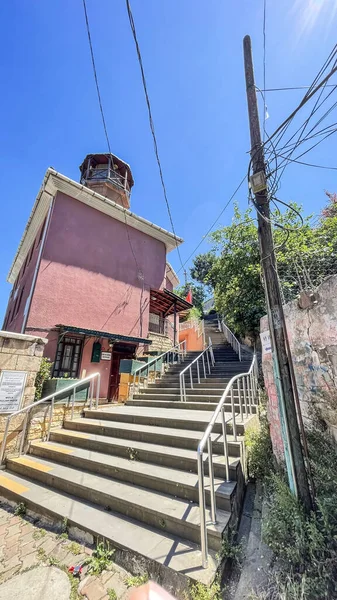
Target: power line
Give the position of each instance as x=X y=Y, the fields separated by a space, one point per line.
x=95 y=76
x=139 y=271
x=133 y=29
x=264 y=66
x=214 y=223
x=284 y=89
x=294 y=160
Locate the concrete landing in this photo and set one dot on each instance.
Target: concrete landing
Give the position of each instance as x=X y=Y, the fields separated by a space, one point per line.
x=42 y=583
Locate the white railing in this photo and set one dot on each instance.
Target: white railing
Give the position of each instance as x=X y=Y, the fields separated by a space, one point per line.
x=176 y=354
x=205 y=358
x=246 y=395
x=230 y=337
x=60 y=395
x=195 y=324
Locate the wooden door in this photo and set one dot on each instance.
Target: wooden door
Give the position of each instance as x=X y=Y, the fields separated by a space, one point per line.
x=114 y=375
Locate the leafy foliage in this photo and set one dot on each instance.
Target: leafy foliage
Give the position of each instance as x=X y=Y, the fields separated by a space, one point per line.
x=199 y=591
x=42 y=375
x=259 y=448
x=305 y=547
x=100 y=559
x=202 y=266
x=198 y=294
x=305 y=255
x=136 y=580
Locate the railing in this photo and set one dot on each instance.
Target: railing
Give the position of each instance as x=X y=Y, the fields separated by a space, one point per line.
x=230 y=337
x=204 y=357
x=196 y=324
x=176 y=354
x=246 y=394
x=62 y=395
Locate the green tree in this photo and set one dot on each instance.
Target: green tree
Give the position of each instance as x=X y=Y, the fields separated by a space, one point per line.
x=202 y=266
x=41 y=376
x=305 y=255
x=198 y=294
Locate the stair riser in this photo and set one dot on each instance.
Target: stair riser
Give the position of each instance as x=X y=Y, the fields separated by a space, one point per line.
x=189 y=405
x=144 y=480
x=129 y=559
x=158 y=421
x=152 y=438
x=216 y=392
x=153 y=457
x=130 y=509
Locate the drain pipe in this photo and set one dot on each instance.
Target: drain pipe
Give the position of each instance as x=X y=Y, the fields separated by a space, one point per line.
x=37 y=266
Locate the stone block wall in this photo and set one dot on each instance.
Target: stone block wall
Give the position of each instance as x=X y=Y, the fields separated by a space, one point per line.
x=160 y=343
x=19 y=352
x=312 y=332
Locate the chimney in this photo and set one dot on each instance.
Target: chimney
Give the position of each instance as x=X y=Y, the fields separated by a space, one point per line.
x=109 y=176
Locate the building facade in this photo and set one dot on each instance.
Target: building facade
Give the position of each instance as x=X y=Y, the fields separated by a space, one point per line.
x=92 y=277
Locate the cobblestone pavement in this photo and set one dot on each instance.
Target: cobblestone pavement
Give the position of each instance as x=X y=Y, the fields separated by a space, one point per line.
x=24 y=545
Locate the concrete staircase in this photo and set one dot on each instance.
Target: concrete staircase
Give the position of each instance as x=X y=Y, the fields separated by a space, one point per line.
x=128 y=473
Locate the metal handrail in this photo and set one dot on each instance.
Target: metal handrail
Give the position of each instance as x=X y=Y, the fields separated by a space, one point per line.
x=208 y=354
x=51 y=397
x=246 y=399
x=230 y=337
x=178 y=350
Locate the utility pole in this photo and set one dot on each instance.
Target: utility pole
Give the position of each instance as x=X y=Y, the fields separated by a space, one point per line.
x=277 y=326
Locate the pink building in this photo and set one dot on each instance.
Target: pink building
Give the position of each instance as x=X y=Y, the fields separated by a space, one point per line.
x=93 y=277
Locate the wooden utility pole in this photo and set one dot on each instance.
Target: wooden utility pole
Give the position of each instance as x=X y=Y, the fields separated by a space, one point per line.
x=277 y=325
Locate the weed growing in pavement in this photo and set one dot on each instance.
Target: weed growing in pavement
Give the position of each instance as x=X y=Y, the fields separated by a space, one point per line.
x=199 y=591
x=136 y=580
x=20 y=509
x=39 y=533
x=74 y=548
x=112 y=594
x=100 y=559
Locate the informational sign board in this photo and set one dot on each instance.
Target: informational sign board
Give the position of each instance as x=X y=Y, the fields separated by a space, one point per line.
x=106 y=356
x=12 y=385
x=265 y=341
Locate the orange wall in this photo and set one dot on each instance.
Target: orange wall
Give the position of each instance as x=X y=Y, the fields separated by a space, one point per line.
x=193 y=342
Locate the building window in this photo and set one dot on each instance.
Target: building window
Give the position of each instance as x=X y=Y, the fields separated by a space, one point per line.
x=68 y=357
x=96 y=352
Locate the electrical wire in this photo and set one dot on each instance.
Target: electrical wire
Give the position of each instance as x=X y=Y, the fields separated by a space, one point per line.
x=134 y=33
x=284 y=89
x=214 y=223
x=95 y=75
x=139 y=271
x=264 y=66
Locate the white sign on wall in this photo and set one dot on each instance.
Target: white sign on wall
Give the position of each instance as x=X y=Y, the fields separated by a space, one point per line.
x=265 y=341
x=12 y=384
x=106 y=356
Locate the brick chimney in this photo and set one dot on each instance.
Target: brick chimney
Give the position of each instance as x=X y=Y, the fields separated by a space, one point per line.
x=109 y=176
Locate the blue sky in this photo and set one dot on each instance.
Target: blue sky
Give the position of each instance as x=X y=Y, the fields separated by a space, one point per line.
x=192 y=53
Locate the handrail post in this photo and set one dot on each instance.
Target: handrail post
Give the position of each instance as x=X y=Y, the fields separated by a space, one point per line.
x=181 y=386
x=50 y=418
x=73 y=403
x=203 y=362
x=202 y=509
x=198 y=371
x=233 y=415
x=98 y=388
x=191 y=377
x=245 y=395
x=240 y=399
x=225 y=443
x=211 y=479
x=209 y=368
x=23 y=433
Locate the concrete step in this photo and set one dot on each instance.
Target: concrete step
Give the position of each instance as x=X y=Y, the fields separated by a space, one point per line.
x=209 y=396
x=168 y=559
x=192 y=403
x=158 y=454
x=180 y=484
x=158 y=510
x=195 y=391
x=177 y=418
x=175 y=437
